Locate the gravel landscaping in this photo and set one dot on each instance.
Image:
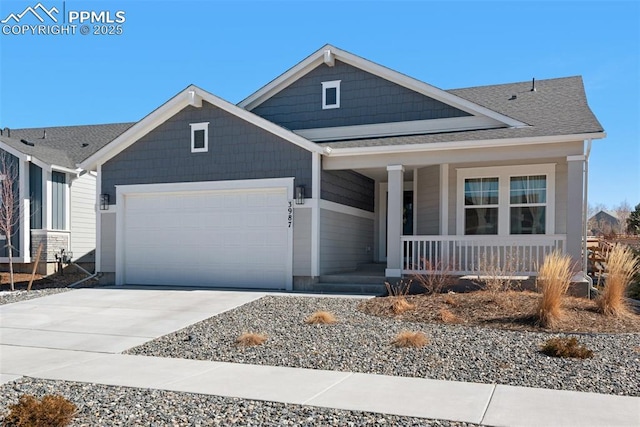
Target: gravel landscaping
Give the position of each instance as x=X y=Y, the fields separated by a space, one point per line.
x=100 y=405
x=361 y=343
x=8 y=297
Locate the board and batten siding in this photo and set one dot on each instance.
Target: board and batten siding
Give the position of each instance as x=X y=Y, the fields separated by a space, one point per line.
x=83 y=217
x=14 y=163
x=428 y=209
x=364 y=99
x=302 y=242
x=107 y=242
x=345 y=241
x=237 y=150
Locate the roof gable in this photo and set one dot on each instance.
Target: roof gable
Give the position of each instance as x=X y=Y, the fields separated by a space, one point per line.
x=193 y=96
x=415 y=100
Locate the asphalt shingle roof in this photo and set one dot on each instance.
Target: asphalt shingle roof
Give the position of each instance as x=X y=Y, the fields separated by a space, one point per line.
x=65 y=145
x=557 y=107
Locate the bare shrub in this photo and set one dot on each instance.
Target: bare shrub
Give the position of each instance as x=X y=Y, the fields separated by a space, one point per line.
x=566 y=347
x=321 y=318
x=249 y=339
x=496 y=274
x=621 y=267
x=437 y=277
x=400 y=305
x=410 y=339
x=447 y=316
x=399 y=289
x=553 y=281
x=50 y=411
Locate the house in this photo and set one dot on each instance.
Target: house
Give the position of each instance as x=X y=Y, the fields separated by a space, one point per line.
x=341 y=162
x=56 y=199
x=604 y=223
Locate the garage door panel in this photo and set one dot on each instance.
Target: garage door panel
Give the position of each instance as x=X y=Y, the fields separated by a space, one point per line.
x=217 y=238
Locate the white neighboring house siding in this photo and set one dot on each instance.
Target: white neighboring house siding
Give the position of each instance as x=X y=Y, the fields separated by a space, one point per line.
x=83 y=215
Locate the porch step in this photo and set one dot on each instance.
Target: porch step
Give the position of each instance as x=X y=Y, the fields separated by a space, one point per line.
x=362 y=278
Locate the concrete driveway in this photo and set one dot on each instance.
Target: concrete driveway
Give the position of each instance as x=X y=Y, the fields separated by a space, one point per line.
x=75 y=326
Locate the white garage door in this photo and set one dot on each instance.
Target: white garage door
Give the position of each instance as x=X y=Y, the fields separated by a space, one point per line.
x=221 y=238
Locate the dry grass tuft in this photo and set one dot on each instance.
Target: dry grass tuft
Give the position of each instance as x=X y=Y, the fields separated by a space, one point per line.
x=249 y=339
x=566 y=347
x=622 y=265
x=50 y=411
x=400 y=305
x=321 y=318
x=553 y=281
x=496 y=273
x=410 y=339
x=447 y=316
x=451 y=300
x=438 y=276
x=400 y=289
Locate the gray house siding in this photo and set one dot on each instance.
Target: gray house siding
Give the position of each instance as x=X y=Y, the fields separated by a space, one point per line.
x=345 y=241
x=364 y=99
x=428 y=212
x=83 y=218
x=348 y=188
x=35 y=196
x=302 y=242
x=236 y=150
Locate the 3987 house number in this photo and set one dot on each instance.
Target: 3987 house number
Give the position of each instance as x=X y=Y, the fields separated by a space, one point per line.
x=290 y=213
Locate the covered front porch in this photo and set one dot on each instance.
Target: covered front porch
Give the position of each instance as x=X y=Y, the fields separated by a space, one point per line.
x=480 y=209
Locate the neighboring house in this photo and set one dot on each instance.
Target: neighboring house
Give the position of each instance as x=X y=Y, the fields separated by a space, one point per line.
x=56 y=199
x=604 y=223
x=340 y=162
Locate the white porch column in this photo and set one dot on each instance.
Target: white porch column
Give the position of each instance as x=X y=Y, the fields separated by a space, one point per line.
x=575 y=190
x=24 y=211
x=395 y=174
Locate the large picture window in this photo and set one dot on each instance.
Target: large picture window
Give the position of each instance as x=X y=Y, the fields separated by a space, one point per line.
x=508 y=200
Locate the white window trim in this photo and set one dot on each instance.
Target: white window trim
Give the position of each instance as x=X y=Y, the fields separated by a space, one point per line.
x=334 y=84
x=504 y=174
x=199 y=126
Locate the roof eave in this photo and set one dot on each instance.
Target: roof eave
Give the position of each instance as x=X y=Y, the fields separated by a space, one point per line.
x=460 y=145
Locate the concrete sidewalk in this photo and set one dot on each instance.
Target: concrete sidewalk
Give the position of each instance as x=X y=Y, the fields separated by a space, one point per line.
x=76 y=336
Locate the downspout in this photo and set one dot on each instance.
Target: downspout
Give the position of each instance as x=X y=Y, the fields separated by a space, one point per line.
x=585 y=202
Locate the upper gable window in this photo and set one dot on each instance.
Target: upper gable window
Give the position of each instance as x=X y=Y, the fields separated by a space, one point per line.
x=331 y=94
x=199 y=137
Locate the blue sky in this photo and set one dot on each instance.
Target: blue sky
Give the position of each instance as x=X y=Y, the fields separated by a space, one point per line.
x=233 y=48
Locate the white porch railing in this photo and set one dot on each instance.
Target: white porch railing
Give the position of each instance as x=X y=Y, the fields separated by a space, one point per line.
x=463 y=255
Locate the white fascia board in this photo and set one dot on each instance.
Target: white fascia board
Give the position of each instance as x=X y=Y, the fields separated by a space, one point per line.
x=65 y=170
x=400 y=128
x=172 y=107
x=317 y=58
x=461 y=145
x=19 y=154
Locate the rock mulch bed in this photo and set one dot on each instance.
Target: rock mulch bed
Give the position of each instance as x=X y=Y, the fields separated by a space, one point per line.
x=361 y=343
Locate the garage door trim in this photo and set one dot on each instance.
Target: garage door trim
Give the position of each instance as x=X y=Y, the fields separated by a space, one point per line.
x=122 y=191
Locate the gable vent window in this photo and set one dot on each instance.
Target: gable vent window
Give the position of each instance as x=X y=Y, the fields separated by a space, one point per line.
x=331 y=94
x=199 y=137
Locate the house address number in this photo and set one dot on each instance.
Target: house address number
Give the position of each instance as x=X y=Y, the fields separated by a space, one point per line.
x=290 y=213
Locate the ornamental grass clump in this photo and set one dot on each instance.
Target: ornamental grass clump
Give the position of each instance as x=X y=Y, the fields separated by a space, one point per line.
x=408 y=339
x=321 y=318
x=621 y=267
x=566 y=347
x=249 y=339
x=50 y=411
x=553 y=281
x=400 y=305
